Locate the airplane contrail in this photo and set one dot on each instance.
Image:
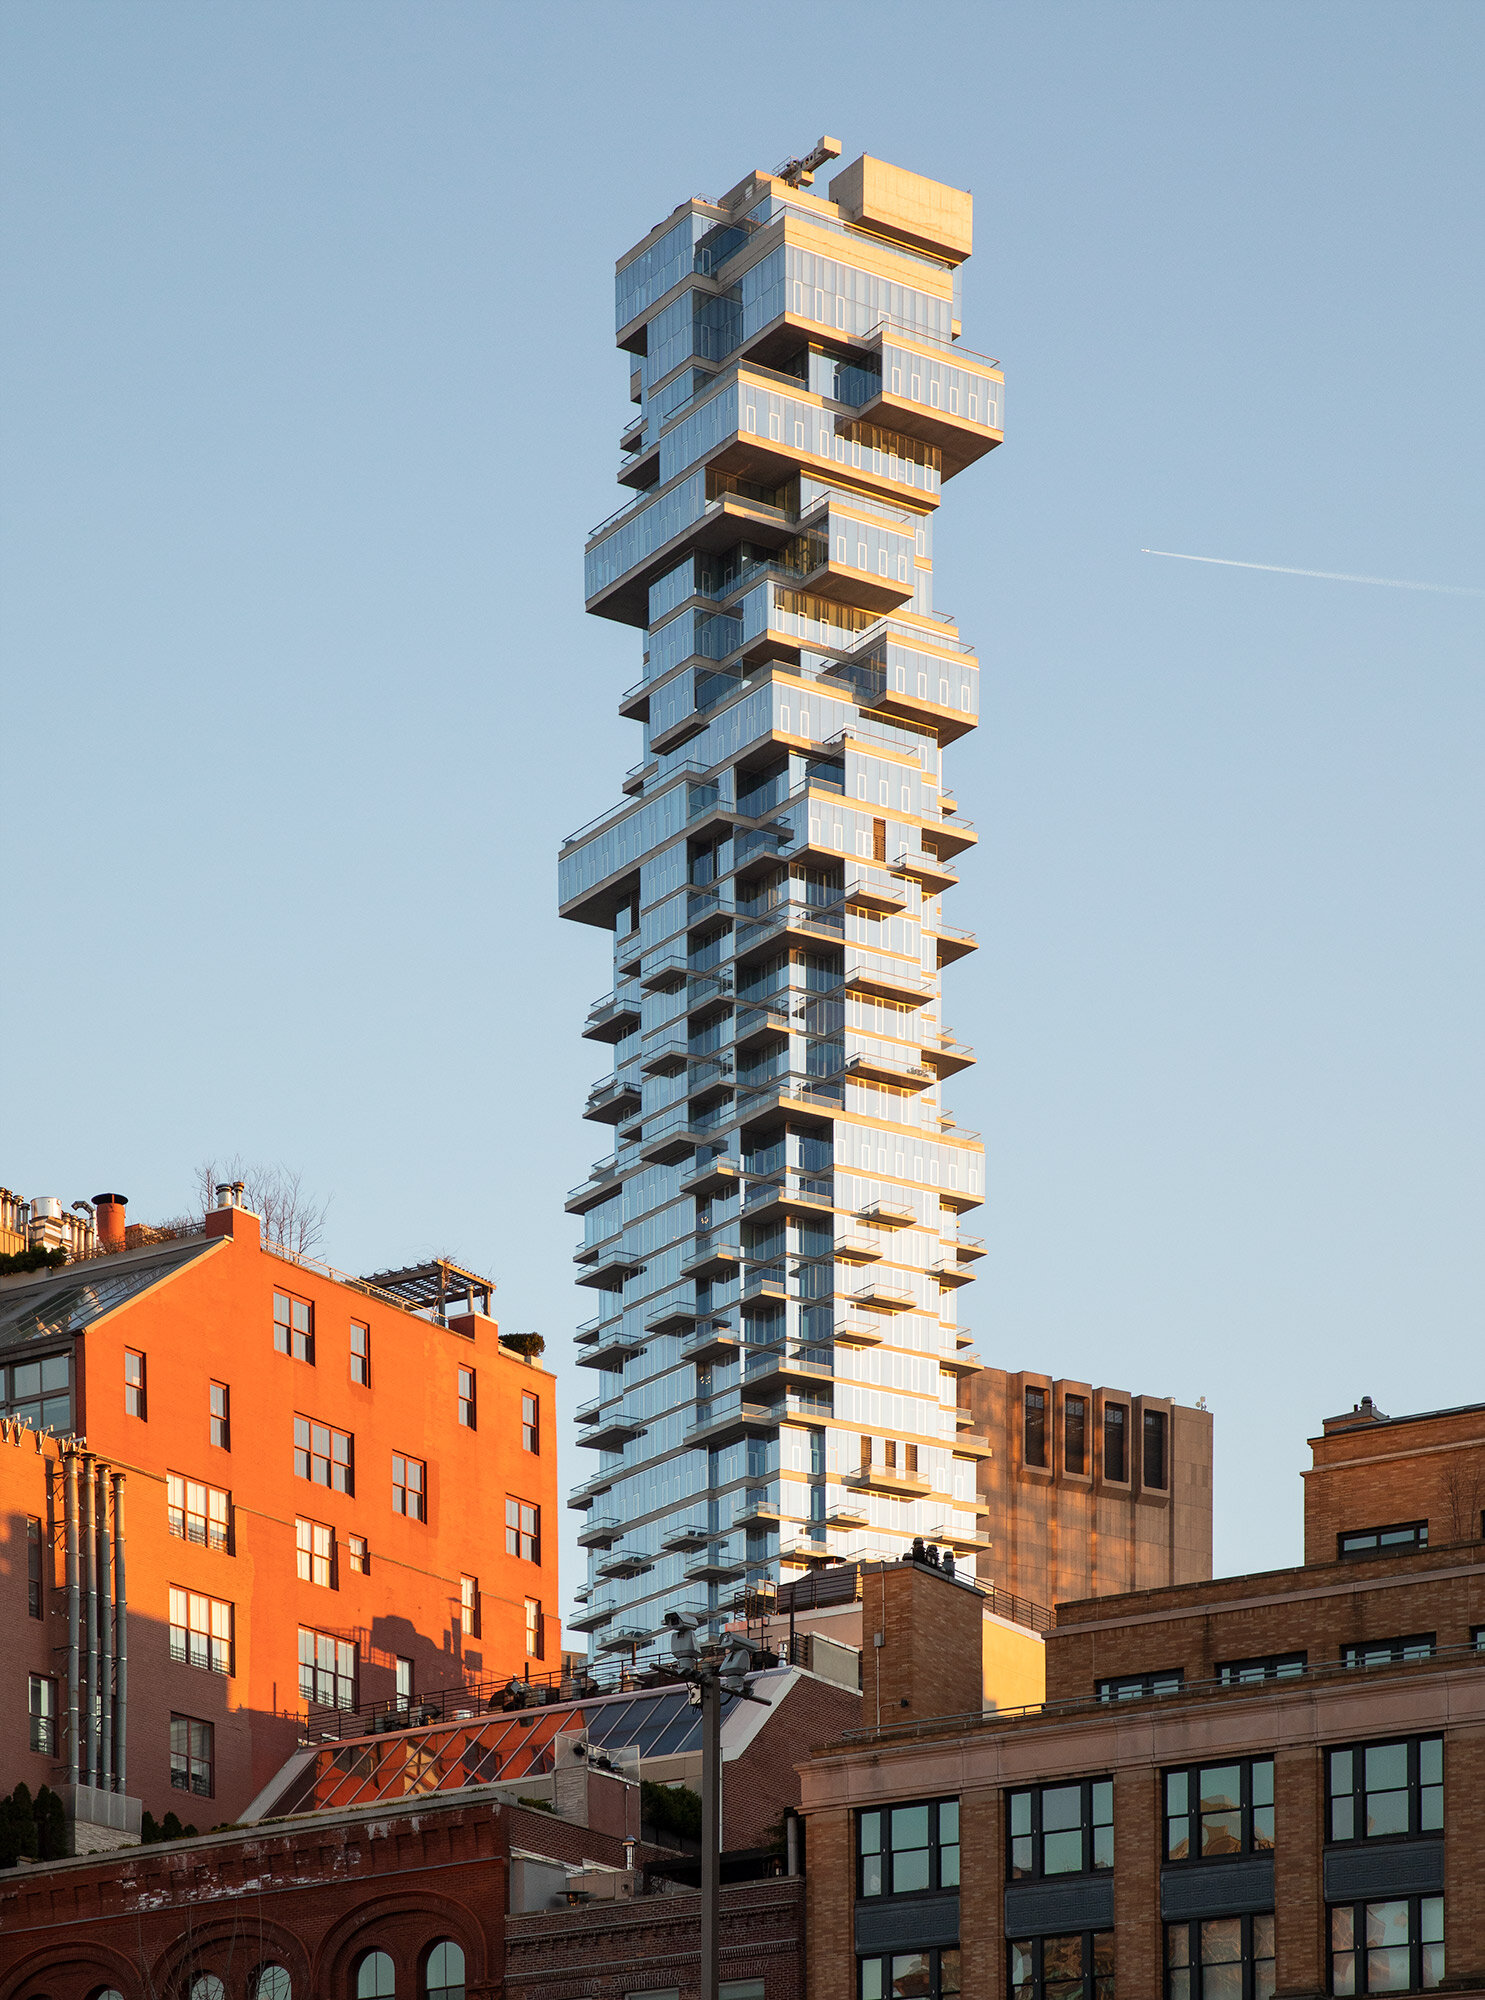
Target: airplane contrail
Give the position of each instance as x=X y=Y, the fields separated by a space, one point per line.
x=1328 y=575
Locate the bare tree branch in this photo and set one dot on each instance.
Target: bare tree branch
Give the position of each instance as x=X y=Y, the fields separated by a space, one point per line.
x=293 y=1219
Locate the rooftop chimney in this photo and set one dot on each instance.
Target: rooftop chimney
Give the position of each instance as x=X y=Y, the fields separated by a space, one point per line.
x=108 y=1213
x=1364 y=1412
x=229 y=1194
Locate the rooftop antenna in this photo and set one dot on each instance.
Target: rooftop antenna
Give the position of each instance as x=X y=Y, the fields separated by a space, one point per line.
x=801 y=173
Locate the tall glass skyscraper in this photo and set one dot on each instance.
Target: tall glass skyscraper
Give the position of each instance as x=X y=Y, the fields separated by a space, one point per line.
x=774 y=1241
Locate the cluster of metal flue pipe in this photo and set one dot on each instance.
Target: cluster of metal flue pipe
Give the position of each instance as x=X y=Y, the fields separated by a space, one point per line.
x=97 y=1622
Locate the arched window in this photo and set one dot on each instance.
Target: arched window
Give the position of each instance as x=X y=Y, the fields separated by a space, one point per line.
x=206 y=1986
x=376 y=1977
x=272 y=1982
x=443 y=1973
x=105 y=1993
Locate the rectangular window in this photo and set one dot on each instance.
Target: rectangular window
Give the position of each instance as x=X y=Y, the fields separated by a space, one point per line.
x=927 y=1975
x=327 y=1669
x=469 y=1606
x=39 y=1393
x=530 y=1424
x=325 y=1455
x=1220 y=1958
x=1390 y=1652
x=1395 y=1541
x=356 y=1555
x=1058 y=1968
x=1216 y=1811
x=1153 y=1472
x=1036 y=1427
x=1395 y=1946
x=314 y=1543
x=523 y=1531
x=1061 y=1829
x=1134 y=1687
x=196 y=1512
x=35 y=1548
x=200 y=1630
x=404 y=1684
x=1386 y=1791
x=1075 y=1434
x=44 y=1714
x=221 y=1416
x=294 y=1327
x=192 y=1754
x=536 y=1635
x=1116 y=1442
x=134 y=1397
x=361 y=1354
x=409 y=1487
x=1270 y=1667
x=903 y=1850
x=467 y=1411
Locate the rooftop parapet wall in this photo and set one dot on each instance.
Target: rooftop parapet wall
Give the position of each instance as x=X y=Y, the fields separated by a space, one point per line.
x=1384 y=1471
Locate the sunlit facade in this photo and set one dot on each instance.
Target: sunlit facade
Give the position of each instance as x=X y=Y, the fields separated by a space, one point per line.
x=773 y=1242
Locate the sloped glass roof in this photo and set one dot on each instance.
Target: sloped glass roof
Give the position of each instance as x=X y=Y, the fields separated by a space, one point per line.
x=70 y=1303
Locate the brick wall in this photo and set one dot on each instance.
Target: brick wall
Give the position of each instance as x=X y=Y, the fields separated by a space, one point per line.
x=604 y=1952
x=981 y=1893
x=759 y=1785
x=830 y=1896
x=929 y=1661
x=1410 y=1469
x=1299 y=1919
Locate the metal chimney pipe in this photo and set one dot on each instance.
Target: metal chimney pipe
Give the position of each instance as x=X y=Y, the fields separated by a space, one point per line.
x=108 y=1218
x=105 y=1635
x=120 y=1643
x=74 y=1620
x=89 y=1551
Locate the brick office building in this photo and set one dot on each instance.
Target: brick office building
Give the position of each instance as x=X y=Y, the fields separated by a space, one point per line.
x=1260 y=1785
x=242 y=1494
x=486 y=1854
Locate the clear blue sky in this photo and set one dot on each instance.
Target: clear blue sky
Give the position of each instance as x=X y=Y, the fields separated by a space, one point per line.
x=310 y=396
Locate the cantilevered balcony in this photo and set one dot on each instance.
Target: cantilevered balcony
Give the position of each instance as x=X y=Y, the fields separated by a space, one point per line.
x=954 y=943
x=721 y=1419
x=848 y=1515
x=891 y=980
x=715 y=1566
x=772 y=1369
x=612 y=1099
x=624 y=1638
x=687 y=1536
x=934 y=874
x=595 y=1614
x=792 y=1194
x=718 y=1175
x=612 y=1347
x=947 y=1057
x=959 y=438
x=663 y=1052
x=885 y=1293
x=854 y=1246
x=858 y=1330
x=606 y=1268
x=600 y=1531
x=626 y=1563
x=890 y=1479
x=871 y=1066
x=717 y=1342
x=963 y=1361
x=612 y=1018
x=881 y=898
x=709 y=1256
x=890 y=1214
x=949 y=1271
x=611 y=1432
x=787 y=924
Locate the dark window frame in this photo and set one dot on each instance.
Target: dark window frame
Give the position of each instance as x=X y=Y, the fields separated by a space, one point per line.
x=1142 y=1687
x=219 y=1419
x=311 y=1451
x=1190 y=1988
x=1415 y=1947
x=35 y=1566
x=1116 y=1425
x=136 y=1384
x=1396 y=1652
x=1416 y=1533
x=1035 y=1833
x=531 y=1424
x=1250 y=1810
x=1155 y=1430
x=1075 y=1424
x=192 y=1753
x=289 y=1335
x=410 y=1486
x=1034 y=1424
x=1425 y=1792
x=43 y=1718
x=360 y=1353
x=939 y=1987
x=1265 y=1667
x=520 y=1541
x=1096 y=1985
x=940 y=1876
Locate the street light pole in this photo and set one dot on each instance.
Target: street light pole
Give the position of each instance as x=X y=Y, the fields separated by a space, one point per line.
x=711 y=1829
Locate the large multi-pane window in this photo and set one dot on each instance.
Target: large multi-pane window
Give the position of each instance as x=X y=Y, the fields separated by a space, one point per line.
x=38 y=1393
x=902 y=1850
x=1378 y=1791
x=1390 y=1652
x=1076 y=1966
x=910 y=1975
x=192 y=1754
x=314 y=1546
x=197 y=1512
x=1214 y=1811
x=325 y=1455
x=294 y=1327
x=409 y=1487
x=1398 y=1540
x=44 y=1714
x=523 y=1530
x=200 y=1630
x=1061 y=1829
x=1391 y=1946
x=327 y=1669
x=1220 y=1958
x=1134 y=1687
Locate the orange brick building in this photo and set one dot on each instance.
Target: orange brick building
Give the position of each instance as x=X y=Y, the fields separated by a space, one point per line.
x=1266 y=1787
x=274 y=1494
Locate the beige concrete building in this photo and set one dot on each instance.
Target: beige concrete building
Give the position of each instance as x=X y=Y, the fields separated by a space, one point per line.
x=1089 y=1490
